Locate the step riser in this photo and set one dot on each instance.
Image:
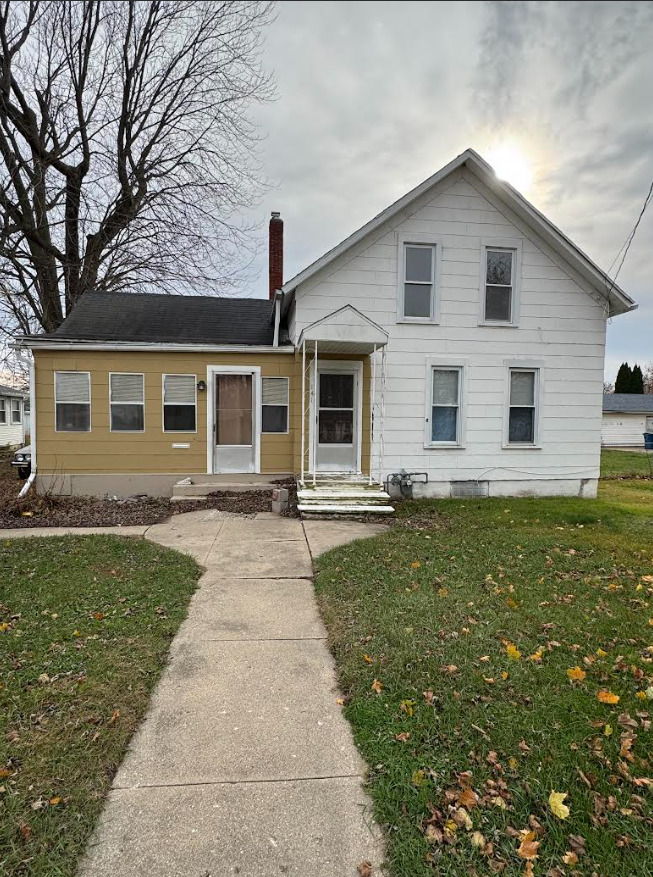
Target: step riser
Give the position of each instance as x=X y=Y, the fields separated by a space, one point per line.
x=345 y=510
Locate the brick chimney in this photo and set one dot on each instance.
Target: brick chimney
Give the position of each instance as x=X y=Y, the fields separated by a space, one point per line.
x=276 y=253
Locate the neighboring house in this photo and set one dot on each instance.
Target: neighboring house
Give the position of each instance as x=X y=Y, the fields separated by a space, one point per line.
x=12 y=416
x=458 y=334
x=626 y=417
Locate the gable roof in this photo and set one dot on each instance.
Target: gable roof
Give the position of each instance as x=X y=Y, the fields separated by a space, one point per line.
x=619 y=301
x=628 y=403
x=175 y=319
x=12 y=391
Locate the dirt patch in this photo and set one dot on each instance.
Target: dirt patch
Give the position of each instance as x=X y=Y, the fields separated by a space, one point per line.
x=78 y=511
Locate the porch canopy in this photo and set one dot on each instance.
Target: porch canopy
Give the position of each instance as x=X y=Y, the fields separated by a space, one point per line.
x=345 y=331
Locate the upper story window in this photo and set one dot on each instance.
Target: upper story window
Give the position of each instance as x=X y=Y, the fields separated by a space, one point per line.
x=418 y=292
x=72 y=401
x=16 y=411
x=523 y=406
x=127 y=402
x=499 y=285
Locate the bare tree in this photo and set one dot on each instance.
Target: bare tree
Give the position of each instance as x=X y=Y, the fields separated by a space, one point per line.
x=126 y=147
x=608 y=387
x=648 y=377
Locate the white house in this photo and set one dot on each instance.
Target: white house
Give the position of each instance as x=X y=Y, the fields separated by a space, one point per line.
x=494 y=326
x=12 y=416
x=626 y=417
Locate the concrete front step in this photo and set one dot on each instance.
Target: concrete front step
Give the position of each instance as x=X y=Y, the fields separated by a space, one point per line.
x=325 y=508
x=346 y=495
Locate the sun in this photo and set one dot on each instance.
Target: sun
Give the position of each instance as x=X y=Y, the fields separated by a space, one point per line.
x=512 y=165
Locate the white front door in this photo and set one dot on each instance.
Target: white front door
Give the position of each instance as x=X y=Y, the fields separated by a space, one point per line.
x=234 y=422
x=337 y=419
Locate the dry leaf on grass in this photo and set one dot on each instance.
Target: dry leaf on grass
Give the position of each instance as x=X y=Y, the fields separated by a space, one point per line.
x=529 y=846
x=607 y=697
x=576 y=674
x=376 y=686
x=365 y=869
x=570 y=858
x=556 y=804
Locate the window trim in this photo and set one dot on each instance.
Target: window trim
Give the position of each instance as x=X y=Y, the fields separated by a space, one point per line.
x=445 y=364
x=111 y=404
x=3 y=412
x=20 y=411
x=164 y=403
x=419 y=240
x=287 y=406
x=523 y=366
x=506 y=245
x=72 y=371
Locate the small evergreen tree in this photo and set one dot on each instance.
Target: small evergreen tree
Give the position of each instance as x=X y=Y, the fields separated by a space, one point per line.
x=624 y=379
x=637 y=380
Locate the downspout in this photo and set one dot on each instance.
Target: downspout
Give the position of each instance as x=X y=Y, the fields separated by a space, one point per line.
x=32 y=427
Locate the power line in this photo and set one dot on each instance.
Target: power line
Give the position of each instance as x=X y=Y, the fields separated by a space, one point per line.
x=626 y=245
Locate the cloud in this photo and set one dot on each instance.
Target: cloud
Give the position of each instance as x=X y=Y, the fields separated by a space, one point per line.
x=373 y=98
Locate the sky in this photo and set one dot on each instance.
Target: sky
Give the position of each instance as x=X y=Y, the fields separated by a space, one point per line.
x=374 y=97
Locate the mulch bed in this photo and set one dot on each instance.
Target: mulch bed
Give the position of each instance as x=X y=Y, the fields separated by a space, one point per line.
x=77 y=511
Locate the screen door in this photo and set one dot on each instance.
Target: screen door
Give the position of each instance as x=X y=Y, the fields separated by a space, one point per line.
x=337 y=438
x=233 y=428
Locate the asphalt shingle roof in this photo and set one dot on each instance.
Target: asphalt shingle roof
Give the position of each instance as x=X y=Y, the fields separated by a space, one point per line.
x=180 y=319
x=12 y=391
x=628 y=403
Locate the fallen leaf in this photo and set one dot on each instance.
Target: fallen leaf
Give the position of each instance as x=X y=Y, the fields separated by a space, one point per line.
x=504 y=675
x=428 y=696
x=418 y=778
x=368 y=659
x=601 y=653
x=365 y=869
x=513 y=652
x=408 y=707
x=433 y=834
x=403 y=737
x=607 y=697
x=462 y=819
x=557 y=807
x=376 y=686
x=54 y=801
x=98 y=616
x=608 y=730
x=570 y=858
x=576 y=674
x=498 y=801
x=468 y=798
x=443 y=592
x=513 y=764
x=115 y=715
x=529 y=846
x=477 y=840
x=416 y=564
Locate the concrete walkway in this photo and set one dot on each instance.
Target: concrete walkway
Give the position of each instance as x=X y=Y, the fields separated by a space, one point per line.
x=244 y=764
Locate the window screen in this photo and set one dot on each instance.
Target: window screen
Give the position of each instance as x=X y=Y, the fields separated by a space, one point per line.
x=419 y=262
x=498 y=285
x=445 y=405
x=274 y=404
x=127 y=402
x=179 y=403
x=72 y=398
x=523 y=401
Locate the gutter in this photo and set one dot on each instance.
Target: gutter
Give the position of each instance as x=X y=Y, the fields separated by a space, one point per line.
x=34 y=343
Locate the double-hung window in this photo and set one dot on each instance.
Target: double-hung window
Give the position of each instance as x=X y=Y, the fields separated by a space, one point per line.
x=16 y=411
x=3 y=411
x=418 y=286
x=72 y=401
x=499 y=285
x=179 y=403
x=274 y=404
x=445 y=405
x=127 y=402
x=522 y=413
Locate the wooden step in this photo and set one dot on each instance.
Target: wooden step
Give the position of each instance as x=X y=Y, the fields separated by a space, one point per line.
x=344 y=509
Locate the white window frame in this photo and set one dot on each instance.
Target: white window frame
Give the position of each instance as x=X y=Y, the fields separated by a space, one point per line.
x=111 y=404
x=513 y=246
x=3 y=412
x=434 y=364
x=523 y=366
x=419 y=240
x=72 y=371
x=12 y=401
x=164 y=403
x=276 y=378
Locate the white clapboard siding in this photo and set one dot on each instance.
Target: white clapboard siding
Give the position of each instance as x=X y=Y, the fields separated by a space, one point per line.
x=623 y=430
x=561 y=324
x=11 y=434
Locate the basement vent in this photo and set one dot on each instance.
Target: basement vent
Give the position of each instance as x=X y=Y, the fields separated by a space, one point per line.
x=462 y=489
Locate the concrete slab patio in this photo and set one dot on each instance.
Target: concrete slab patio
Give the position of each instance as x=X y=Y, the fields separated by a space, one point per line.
x=245 y=764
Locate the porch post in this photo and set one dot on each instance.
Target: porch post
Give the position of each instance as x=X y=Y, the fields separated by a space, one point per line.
x=382 y=414
x=303 y=407
x=372 y=402
x=315 y=413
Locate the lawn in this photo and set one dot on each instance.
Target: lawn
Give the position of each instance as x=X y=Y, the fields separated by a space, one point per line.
x=85 y=626
x=625 y=464
x=492 y=652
